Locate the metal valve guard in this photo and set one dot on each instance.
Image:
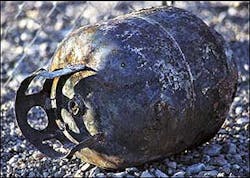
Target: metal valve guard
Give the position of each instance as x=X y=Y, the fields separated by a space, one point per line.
x=57 y=128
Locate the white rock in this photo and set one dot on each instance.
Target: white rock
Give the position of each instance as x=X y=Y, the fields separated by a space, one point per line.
x=242 y=120
x=211 y=173
x=172 y=164
x=12 y=160
x=179 y=174
x=159 y=173
x=238 y=110
x=100 y=175
x=78 y=173
x=232 y=11
x=213 y=150
x=146 y=174
x=31 y=174
x=94 y=171
x=118 y=174
x=131 y=169
x=195 y=168
x=85 y=167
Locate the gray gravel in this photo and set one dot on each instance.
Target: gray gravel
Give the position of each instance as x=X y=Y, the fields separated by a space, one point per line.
x=26 y=46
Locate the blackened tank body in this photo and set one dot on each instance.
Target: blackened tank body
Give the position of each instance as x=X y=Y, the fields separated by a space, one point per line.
x=158 y=81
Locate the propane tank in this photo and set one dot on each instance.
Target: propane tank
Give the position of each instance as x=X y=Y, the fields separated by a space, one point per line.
x=133 y=89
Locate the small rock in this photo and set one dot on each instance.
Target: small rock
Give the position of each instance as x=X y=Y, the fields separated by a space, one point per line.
x=118 y=174
x=212 y=173
x=236 y=166
x=196 y=168
x=221 y=174
x=23 y=173
x=100 y=175
x=238 y=110
x=231 y=175
x=85 y=167
x=137 y=174
x=226 y=170
x=201 y=174
x=45 y=174
x=37 y=156
x=205 y=158
x=213 y=150
x=59 y=173
x=230 y=148
x=12 y=160
x=172 y=164
x=54 y=168
x=242 y=120
x=159 y=173
x=179 y=174
x=131 y=170
x=237 y=158
x=78 y=173
x=170 y=171
x=31 y=174
x=209 y=168
x=94 y=171
x=218 y=161
x=22 y=165
x=146 y=174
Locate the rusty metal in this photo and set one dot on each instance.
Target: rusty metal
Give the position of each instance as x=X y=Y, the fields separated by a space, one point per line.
x=140 y=87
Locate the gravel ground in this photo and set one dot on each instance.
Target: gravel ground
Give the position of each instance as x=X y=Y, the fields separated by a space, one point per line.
x=30 y=32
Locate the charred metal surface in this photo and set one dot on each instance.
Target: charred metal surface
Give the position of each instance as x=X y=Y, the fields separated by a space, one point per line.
x=158 y=81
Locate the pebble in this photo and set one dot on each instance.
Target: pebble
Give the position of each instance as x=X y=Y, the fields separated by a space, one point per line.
x=94 y=171
x=209 y=168
x=12 y=160
x=170 y=171
x=213 y=150
x=238 y=110
x=137 y=174
x=231 y=175
x=31 y=174
x=131 y=170
x=146 y=174
x=179 y=174
x=226 y=170
x=172 y=164
x=195 y=168
x=230 y=148
x=212 y=173
x=78 y=173
x=85 y=167
x=100 y=175
x=236 y=166
x=221 y=174
x=118 y=174
x=205 y=158
x=37 y=155
x=45 y=174
x=59 y=173
x=218 y=161
x=243 y=120
x=159 y=173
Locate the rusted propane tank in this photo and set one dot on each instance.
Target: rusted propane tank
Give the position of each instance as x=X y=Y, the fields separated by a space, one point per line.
x=133 y=89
